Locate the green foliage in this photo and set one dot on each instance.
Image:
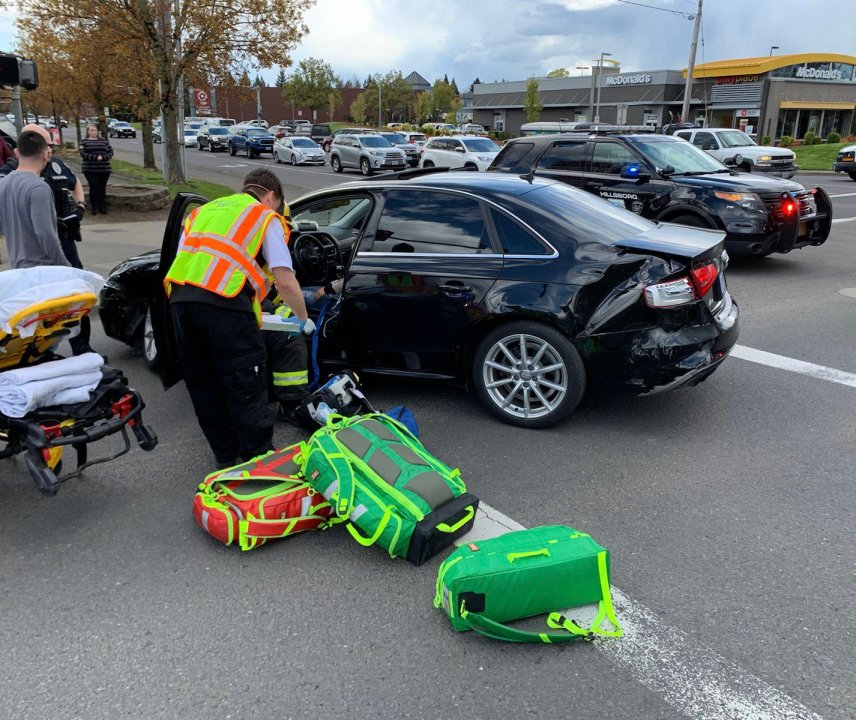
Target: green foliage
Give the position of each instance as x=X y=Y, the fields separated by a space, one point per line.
x=833 y=137
x=281 y=79
x=817 y=157
x=786 y=141
x=358 y=109
x=395 y=95
x=311 y=84
x=766 y=140
x=810 y=138
x=558 y=72
x=532 y=105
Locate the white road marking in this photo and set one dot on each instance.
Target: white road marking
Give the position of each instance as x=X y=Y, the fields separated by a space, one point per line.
x=844 y=195
x=689 y=675
x=781 y=362
x=237 y=165
x=842 y=220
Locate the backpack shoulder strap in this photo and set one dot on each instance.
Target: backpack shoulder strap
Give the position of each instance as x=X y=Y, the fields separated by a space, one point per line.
x=343 y=486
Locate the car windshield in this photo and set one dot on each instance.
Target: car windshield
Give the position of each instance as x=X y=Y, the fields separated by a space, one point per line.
x=218 y=131
x=681 y=155
x=734 y=138
x=481 y=145
x=257 y=132
x=303 y=142
x=190 y=133
x=374 y=141
x=121 y=124
x=418 y=138
x=586 y=216
x=395 y=138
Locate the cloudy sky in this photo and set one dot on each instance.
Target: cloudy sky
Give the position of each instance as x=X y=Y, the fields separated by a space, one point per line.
x=516 y=39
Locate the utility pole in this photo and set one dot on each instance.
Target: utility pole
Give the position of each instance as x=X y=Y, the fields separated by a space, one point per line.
x=600 y=83
x=379 y=121
x=690 y=66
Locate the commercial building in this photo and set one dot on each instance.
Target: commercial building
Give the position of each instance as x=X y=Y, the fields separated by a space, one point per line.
x=775 y=96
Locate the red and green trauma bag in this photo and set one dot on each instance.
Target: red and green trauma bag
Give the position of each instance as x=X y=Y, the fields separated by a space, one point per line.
x=387 y=488
x=485 y=584
x=260 y=500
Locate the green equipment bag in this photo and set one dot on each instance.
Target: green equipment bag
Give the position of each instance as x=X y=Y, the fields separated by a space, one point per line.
x=483 y=585
x=387 y=487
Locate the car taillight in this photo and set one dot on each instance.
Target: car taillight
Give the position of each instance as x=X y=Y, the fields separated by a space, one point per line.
x=670 y=294
x=704 y=276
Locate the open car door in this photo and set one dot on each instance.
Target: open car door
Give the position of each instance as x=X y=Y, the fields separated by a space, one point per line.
x=169 y=362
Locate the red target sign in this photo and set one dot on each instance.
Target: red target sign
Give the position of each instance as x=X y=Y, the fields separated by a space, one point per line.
x=202 y=101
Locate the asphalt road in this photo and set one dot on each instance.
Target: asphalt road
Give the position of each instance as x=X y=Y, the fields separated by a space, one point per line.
x=728 y=509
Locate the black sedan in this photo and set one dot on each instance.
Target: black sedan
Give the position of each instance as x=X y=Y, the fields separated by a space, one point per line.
x=528 y=291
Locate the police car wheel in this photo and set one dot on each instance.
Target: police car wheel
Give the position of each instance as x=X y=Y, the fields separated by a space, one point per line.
x=690 y=221
x=852 y=175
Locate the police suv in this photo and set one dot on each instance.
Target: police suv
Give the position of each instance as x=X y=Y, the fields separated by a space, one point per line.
x=667 y=179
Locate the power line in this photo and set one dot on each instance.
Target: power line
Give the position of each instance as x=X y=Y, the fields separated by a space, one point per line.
x=688 y=16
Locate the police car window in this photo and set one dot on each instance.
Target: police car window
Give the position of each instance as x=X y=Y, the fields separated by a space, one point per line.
x=514 y=238
x=431 y=222
x=564 y=156
x=511 y=155
x=610 y=157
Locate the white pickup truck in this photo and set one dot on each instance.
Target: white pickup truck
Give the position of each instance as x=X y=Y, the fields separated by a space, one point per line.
x=726 y=143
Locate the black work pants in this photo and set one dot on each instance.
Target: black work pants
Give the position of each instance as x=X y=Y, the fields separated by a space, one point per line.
x=287 y=355
x=223 y=357
x=97 y=190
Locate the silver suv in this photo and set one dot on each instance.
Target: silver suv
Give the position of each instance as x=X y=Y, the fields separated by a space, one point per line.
x=366 y=153
x=398 y=140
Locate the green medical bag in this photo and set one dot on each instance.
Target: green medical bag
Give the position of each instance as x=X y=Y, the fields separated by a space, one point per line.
x=387 y=487
x=484 y=584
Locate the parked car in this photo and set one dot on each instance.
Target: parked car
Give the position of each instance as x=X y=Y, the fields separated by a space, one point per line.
x=846 y=161
x=220 y=122
x=459 y=151
x=667 y=179
x=727 y=144
x=345 y=131
x=252 y=141
x=212 y=138
x=121 y=129
x=473 y=129
x=527 y=291
x=188 y=135
x=366 y=153
x=298 y=151
x=280 y=131
x=410 y=150
x=415 y=138
x=320 y=132
x=259 y=122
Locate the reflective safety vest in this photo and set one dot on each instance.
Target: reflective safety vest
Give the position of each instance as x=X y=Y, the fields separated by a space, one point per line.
x=220 y=244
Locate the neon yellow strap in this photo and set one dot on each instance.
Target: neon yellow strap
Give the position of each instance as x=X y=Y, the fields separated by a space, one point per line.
x=289 y=379
x=366 y=542
x=442 y=527
x=444 y=568
x=605 y=610
x=511 y=557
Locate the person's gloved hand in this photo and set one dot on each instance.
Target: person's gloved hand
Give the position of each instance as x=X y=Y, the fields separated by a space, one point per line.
x=307 y=326
x=80 y=212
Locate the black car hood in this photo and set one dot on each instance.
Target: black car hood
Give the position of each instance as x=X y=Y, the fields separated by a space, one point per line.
x=742 y=182
x=677 y=241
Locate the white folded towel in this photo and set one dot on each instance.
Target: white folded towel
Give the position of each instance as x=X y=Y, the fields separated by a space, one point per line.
x=19 y=399
x=85 y=363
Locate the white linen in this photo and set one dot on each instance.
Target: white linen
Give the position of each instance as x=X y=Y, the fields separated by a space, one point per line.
x=80 y=364
x=17 y=400
x=19 y=289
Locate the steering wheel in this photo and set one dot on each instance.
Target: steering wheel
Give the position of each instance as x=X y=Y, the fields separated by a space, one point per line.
x=317 y=258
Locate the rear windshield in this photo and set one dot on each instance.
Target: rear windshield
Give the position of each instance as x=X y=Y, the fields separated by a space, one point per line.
x=416 y=137
x=320 y=129
x=395 y=138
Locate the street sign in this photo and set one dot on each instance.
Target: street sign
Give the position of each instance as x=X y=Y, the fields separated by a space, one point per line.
x=202 y=100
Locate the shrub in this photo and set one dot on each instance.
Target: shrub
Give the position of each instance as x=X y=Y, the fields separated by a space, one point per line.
x=808 y=138
x=786 y=141
x=766 y=140
x=833 y=137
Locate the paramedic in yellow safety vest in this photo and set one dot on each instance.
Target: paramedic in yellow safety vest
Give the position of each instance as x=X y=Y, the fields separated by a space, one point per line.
x=216 y=285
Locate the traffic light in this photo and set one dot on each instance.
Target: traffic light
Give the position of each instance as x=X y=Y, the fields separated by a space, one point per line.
x=18 y=71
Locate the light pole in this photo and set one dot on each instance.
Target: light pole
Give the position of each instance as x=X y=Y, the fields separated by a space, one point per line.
x=379 y=122
x=773 y=47
x=599 y=83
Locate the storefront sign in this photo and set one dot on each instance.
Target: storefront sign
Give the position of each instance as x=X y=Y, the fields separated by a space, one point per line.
x=818 y=74
x=642 y=79
x=202 y=101
x=737 y=79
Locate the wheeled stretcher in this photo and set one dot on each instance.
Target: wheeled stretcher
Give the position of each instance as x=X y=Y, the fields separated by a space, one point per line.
x=40 y=307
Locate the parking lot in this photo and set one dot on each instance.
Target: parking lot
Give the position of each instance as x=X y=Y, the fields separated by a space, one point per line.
x=727 y=508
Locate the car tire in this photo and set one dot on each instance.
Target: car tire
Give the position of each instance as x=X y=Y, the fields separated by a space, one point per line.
x=365 y=167
x=427 y=164
x=746 y=167
x=503 y=387
x=198 y=145
x=232 y=150
x=691 y=221
x=294 y=159
x=852 y=175
x=150 y=351
x=336 y=164
x=277 y=157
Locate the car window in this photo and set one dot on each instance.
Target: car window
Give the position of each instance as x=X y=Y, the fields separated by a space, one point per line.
x=735 y=138
x=705 y=141
x=514 y=238
x=609 y=158
x=425 y=221
x=339 y=212
x=684 y=135
x=511 y=155
x=304 y=143
x=394 y=138
x=564 y=156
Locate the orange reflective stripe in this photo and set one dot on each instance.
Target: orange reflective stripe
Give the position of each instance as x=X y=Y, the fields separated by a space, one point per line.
x=228 y=252
x=218 y=274
x=240 y=232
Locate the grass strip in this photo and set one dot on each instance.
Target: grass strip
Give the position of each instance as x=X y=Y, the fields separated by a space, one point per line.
x=817 y=157
x=207 y=189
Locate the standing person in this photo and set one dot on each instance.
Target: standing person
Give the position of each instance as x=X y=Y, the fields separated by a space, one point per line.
x=27 y=214
x=96 y=153
x=216 y=285
x=5 y=151
x=103 y=127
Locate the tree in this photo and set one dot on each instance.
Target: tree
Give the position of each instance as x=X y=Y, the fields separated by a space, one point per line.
x=441 y=97
x=258 y=81
x=358 y=109
x=426 y=106
x=311 y=84
x=281 y=79
x=558 y=72
x=334 y=100
x=533 y=105
x=180 y=38
x=394 y=94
